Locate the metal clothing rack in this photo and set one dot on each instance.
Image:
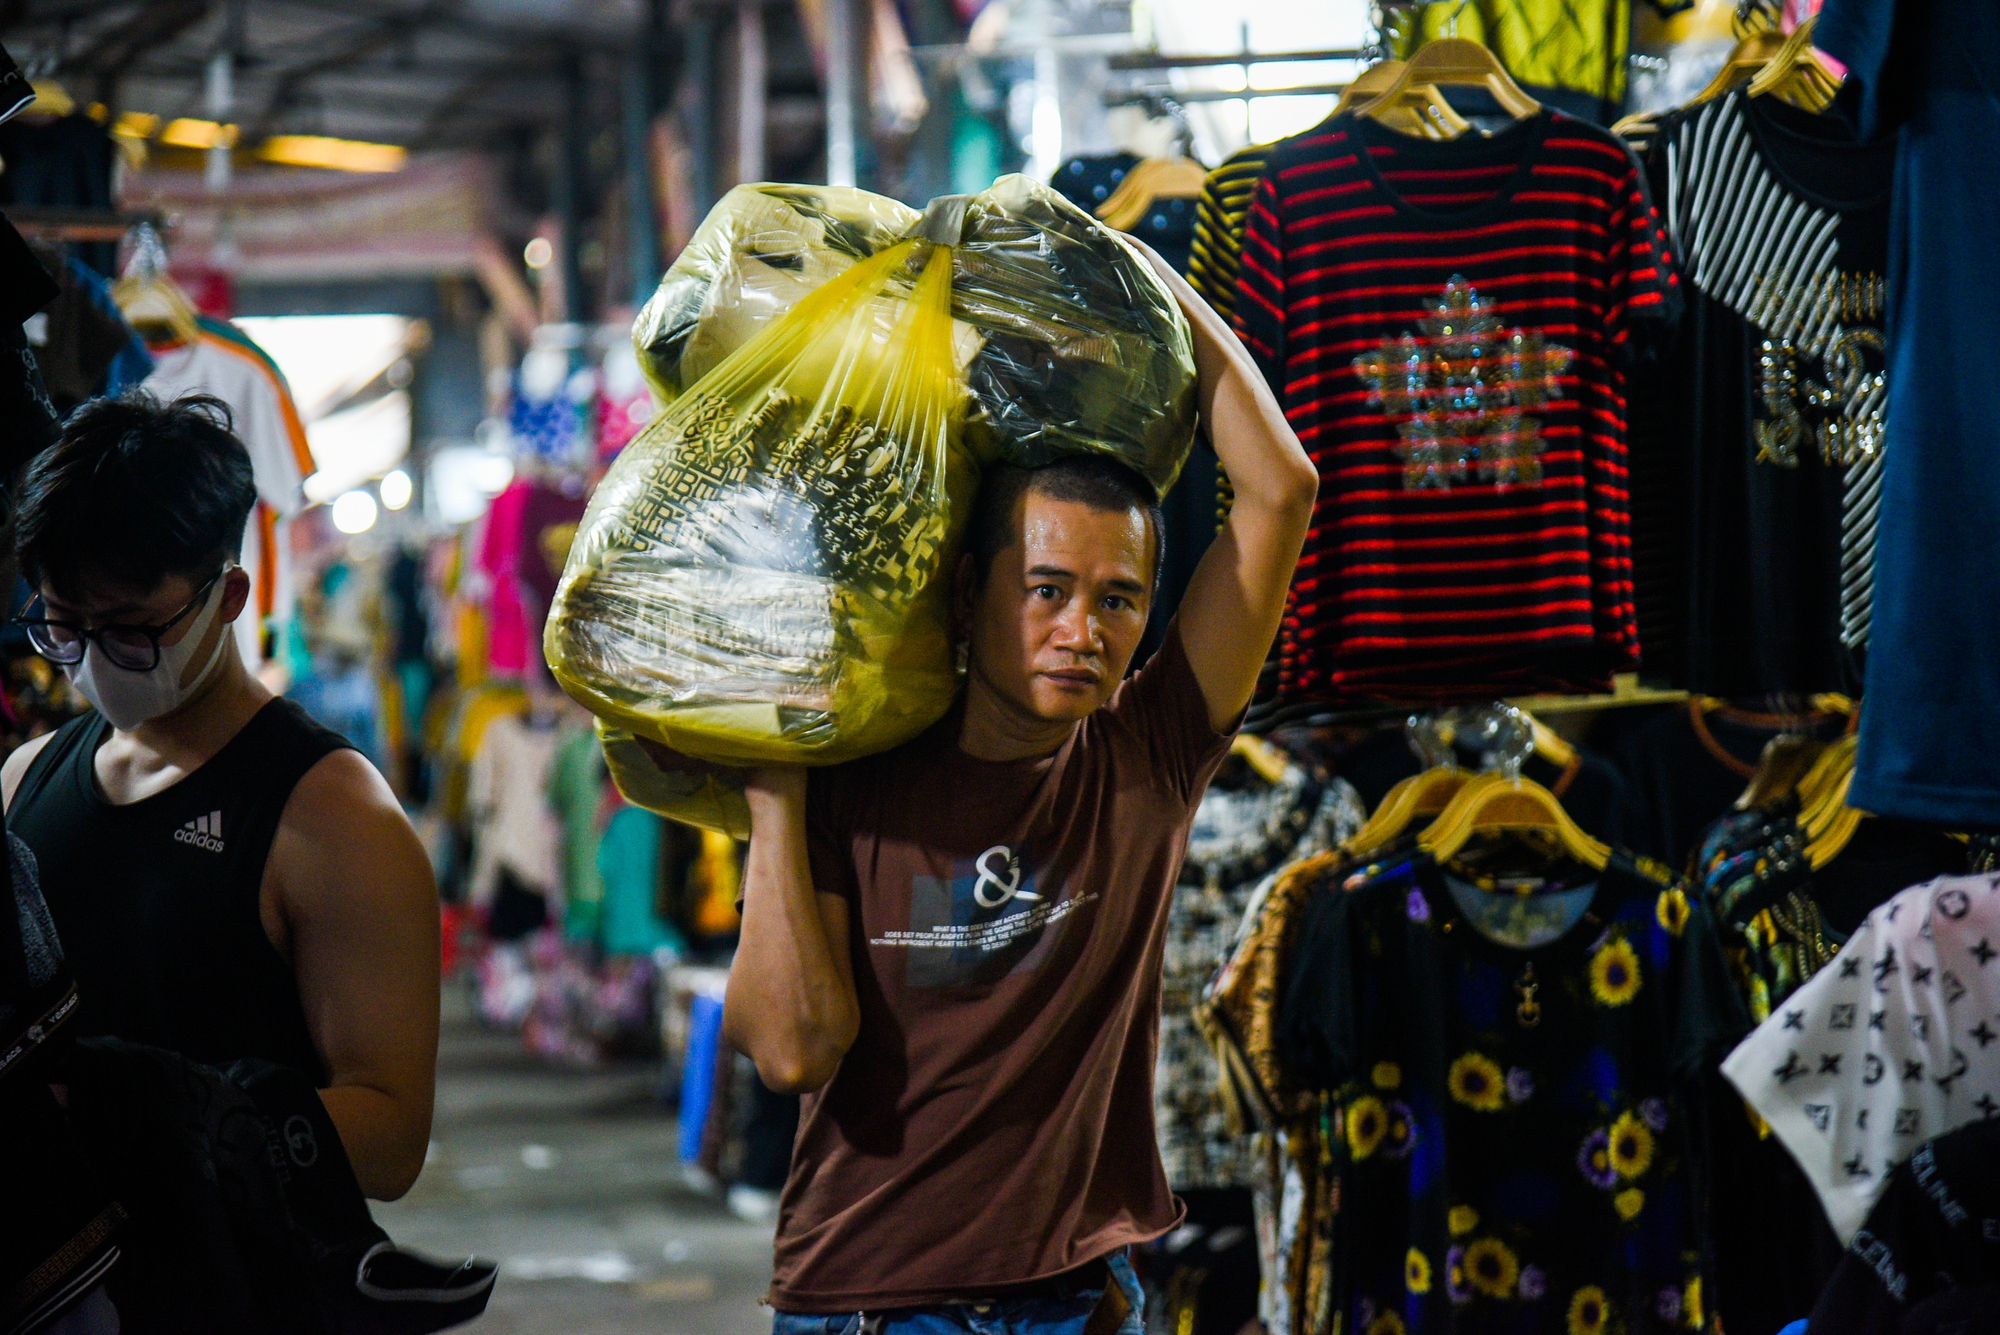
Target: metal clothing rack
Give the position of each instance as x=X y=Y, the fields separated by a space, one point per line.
x=57 y=224
x=1626 y=693
x=1143 y=61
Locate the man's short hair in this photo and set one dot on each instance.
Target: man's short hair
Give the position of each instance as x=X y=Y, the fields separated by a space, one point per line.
x=1085 y=479
x=134 y=491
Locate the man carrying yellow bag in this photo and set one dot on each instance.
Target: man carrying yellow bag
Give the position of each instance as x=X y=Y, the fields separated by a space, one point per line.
x=953 y=948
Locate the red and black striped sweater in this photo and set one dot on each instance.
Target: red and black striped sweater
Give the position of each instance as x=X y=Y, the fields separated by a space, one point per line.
x=1446 y=324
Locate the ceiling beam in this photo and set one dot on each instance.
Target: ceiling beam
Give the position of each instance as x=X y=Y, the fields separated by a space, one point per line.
x=359 y=41
x=154 y=24
x=512 y=36
x=460 y=102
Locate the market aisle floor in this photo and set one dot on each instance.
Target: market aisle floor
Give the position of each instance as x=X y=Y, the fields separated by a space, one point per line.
x=569 y=1179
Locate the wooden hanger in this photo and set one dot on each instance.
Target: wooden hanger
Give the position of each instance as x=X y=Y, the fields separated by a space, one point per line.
x=1821 y=791
x=1797 y=75
x=156 y=308
x=1837 y=828
x=1151 y=180
x=1493 y=804
x=1786 y=760
x=148 y=298
x=1455 y=62
x=1419 y=797
x=1422 y=111
x=1750 y=56
x=1636 y=128
x=1269 y=762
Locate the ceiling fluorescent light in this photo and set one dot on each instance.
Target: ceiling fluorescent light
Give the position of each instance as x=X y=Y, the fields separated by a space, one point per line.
x=342 y=155
x=185 y=133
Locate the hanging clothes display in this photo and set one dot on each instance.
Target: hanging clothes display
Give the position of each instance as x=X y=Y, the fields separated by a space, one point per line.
x=1932 y=643
x=1567 y=53
x=1775 y=388
x=628 y=865
x=515 y=833
x=1781 y=919
x=1685 y=767
x=1297 y=1186
x=1215 y=252
x=29 y=421
x=1509 y=1075
x=86 y=348
x=522 y=547
x=265 y=419
x=1931 y=1244
x=1472 y=538
x=1890 y=1045
x=1241 y=836
x=577 y=780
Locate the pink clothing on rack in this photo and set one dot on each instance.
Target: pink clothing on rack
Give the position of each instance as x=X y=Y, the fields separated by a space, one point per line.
x=510 y=640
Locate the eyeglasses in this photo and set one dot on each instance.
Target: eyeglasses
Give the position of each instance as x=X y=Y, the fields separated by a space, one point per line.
x=134 y=648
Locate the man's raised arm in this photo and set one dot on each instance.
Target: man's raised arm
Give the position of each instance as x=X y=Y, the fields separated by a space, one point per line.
x=790 y=1004
x=1230 y=613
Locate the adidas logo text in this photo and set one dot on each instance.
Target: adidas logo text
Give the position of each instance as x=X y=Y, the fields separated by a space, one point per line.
x=202 y=832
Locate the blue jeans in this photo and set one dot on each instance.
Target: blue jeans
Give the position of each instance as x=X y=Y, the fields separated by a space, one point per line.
x=1020 y=1316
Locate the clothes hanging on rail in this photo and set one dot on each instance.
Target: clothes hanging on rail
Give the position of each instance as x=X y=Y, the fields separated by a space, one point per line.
x=29 y=422
x=1775 y=388
x=514 y=830
x=1215 y=254
x=1932 y=1242
x=1889 y=1045
x=1298 y=1184
x=576 y=784
x=1780 y=922
x=85 y=347
x=1471 y=539
x=1509 y=1074
x=1569 y=54
x=1242 y=835
x=57 y=162
x=1685 y=767
x=527 y=534
x=265 y=419
x=1925 y=73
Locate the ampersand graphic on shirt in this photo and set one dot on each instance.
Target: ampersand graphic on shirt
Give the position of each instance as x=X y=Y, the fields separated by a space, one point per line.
x=1007 y=889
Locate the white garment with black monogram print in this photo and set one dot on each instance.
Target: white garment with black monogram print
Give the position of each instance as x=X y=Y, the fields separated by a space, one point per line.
x=1890 y=1045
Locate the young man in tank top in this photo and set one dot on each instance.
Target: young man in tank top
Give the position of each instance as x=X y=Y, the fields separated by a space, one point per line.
x=228 y=878
x=953 y=949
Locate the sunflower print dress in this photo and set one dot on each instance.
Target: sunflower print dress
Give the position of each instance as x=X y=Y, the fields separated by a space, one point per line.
x=1514 y=1154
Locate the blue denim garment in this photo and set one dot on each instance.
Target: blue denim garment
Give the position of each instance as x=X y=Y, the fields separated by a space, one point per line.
x=1022 y=1316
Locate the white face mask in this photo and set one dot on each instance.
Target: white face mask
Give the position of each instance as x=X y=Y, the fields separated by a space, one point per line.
x=127 y=698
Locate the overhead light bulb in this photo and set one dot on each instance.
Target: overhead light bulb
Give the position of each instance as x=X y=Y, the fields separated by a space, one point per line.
x=354 y=512
x=396 y=489
x=538 y=253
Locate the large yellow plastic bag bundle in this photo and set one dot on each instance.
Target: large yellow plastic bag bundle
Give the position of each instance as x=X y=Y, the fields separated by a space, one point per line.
x=756 y=255
x=759 y=576
x=1076 y=345
x=710 y=799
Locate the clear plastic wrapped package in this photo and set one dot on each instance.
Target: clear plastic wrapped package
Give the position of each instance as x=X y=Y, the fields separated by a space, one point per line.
x=762 y=576
x=1076 y=345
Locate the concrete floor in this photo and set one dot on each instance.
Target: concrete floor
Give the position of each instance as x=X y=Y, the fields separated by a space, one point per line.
x=568 y=1178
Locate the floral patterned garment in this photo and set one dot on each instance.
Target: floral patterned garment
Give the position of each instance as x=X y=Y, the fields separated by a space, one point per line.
x=1514 y=1158
x=1239 y=842
x=1297 y=1188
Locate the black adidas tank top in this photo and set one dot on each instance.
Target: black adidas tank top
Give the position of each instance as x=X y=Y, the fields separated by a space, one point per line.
x=157 y=902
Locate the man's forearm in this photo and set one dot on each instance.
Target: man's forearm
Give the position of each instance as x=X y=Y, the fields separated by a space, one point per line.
x=790 y=1003
x=1246 y=425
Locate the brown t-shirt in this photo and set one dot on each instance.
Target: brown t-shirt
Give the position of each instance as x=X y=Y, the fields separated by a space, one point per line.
x=993 y=1122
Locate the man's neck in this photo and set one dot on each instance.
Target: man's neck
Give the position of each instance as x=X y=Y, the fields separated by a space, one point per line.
x=192 y=734
x=997 y=729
